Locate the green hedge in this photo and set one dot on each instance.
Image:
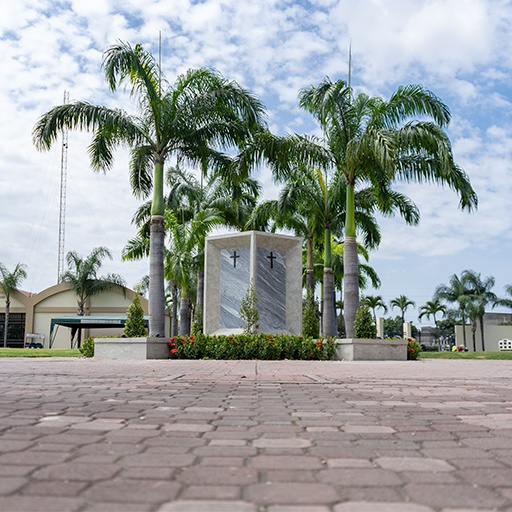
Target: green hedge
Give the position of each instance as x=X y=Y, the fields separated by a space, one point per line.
x=252 y=346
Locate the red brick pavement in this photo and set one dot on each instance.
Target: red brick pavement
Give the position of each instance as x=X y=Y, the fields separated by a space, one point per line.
x=90 y=435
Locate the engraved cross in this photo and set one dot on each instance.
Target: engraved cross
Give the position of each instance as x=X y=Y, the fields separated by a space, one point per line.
x=234 y=259
x=271 y=258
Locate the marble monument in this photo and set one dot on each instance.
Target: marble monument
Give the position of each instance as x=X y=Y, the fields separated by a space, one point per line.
x=273 y=261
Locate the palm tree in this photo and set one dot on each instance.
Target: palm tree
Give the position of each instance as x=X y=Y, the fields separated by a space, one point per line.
x=402 y=303
x=505 y=302
x=374 y=302
x=188 y=120
x=432 y=308
x=457 y=291
x=474 y=310
x=82 y=276
x=373 y=142
x=480 y=294
x=313 y=206
x=9 y=282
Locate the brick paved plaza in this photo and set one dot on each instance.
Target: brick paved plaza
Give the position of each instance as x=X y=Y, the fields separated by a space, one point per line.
x=255 y=436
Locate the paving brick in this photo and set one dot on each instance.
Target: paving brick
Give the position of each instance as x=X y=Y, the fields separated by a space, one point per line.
x=73 y=471
x=290 y=475
x=462 y=496
x=120 y=507
x=40 y=504
x=294 y=508
x=359 y=477
x=208 y=506
x=292 y=493
x=30 y=458
x=212 y=476
x=361 y=506
x=11 y=484
x=157 y=460
x=294 y=442
x=225 y=451
x=222 y=461
x=55 y=488
x=488 y=477
x=294 y=462
x=212 y=492
x=413 y=464
x=139 y=491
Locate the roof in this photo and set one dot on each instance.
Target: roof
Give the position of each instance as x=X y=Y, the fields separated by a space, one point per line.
x=91 y=321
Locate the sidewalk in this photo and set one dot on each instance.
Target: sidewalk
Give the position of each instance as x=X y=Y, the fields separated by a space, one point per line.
x=91 y=435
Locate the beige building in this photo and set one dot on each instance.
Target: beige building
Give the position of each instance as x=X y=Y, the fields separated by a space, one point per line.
x=32 y=314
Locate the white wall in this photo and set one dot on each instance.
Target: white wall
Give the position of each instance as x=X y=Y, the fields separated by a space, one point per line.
x=492 y=335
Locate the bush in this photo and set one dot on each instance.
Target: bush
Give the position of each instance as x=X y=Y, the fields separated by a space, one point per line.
x=252 y=346
x=310 y=317
x=87 y=348
x=135 y=326
x=413 y=349
x=364 y=325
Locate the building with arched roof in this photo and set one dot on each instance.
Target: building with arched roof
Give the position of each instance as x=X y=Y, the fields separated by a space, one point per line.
x=31 y=314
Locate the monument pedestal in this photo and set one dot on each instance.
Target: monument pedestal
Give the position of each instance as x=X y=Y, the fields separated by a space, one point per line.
x=131 y=348
x=353 y=349
x=273 y=262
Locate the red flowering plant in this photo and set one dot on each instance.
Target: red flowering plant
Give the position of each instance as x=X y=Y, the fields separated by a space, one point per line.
x=413 y=349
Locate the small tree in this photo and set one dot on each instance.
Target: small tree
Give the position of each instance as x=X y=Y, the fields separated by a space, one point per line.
x=9 y=282
x=364 y=325
x=310 y=316
x=249 y=309
x=135 y=327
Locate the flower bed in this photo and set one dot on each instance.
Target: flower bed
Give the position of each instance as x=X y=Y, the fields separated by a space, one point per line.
x=252 y=346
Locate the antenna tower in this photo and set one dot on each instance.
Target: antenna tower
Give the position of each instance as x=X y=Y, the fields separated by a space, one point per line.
x=63 y=180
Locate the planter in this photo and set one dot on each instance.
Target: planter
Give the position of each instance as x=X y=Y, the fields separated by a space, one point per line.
x=352 y=349
x=131 y=348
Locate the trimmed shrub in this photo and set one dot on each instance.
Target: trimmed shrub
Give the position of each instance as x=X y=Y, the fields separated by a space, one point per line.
x=252 y=346
x=364 y=325
x=135 y=327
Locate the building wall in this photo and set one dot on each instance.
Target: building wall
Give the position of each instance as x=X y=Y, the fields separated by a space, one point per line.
x=60 y=300
x=492 y=335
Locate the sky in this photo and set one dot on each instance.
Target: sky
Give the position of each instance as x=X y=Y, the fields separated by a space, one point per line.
x=274 y=48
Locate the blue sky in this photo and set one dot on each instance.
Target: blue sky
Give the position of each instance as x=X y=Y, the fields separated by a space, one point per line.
x=274 y=48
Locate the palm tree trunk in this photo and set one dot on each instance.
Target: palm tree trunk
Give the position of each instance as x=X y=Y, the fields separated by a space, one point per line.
x=174 y=292
x=334 y=315
x=184 y=317
x=473 y=331
x=310 y=273
x=156 y=277
x=463 y=328
x=482 y=332
x=328 y=316
x=6 y=325
x=351 y=276
x=200 y=288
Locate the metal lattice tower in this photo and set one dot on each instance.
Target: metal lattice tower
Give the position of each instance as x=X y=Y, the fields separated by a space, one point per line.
x=63 y=180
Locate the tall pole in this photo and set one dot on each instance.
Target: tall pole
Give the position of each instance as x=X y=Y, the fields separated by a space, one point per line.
x=63 y=180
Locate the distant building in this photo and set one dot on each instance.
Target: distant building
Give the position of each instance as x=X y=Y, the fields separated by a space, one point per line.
x=31 y=313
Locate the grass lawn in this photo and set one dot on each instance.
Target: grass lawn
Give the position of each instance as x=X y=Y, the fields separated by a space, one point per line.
x=38 y=352
x=505 y=354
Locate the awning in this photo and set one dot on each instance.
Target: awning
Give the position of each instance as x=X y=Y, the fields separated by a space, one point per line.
x=88 y=322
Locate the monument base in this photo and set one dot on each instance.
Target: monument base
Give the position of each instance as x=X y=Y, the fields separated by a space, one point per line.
x=131 y=348
x=353 y=349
